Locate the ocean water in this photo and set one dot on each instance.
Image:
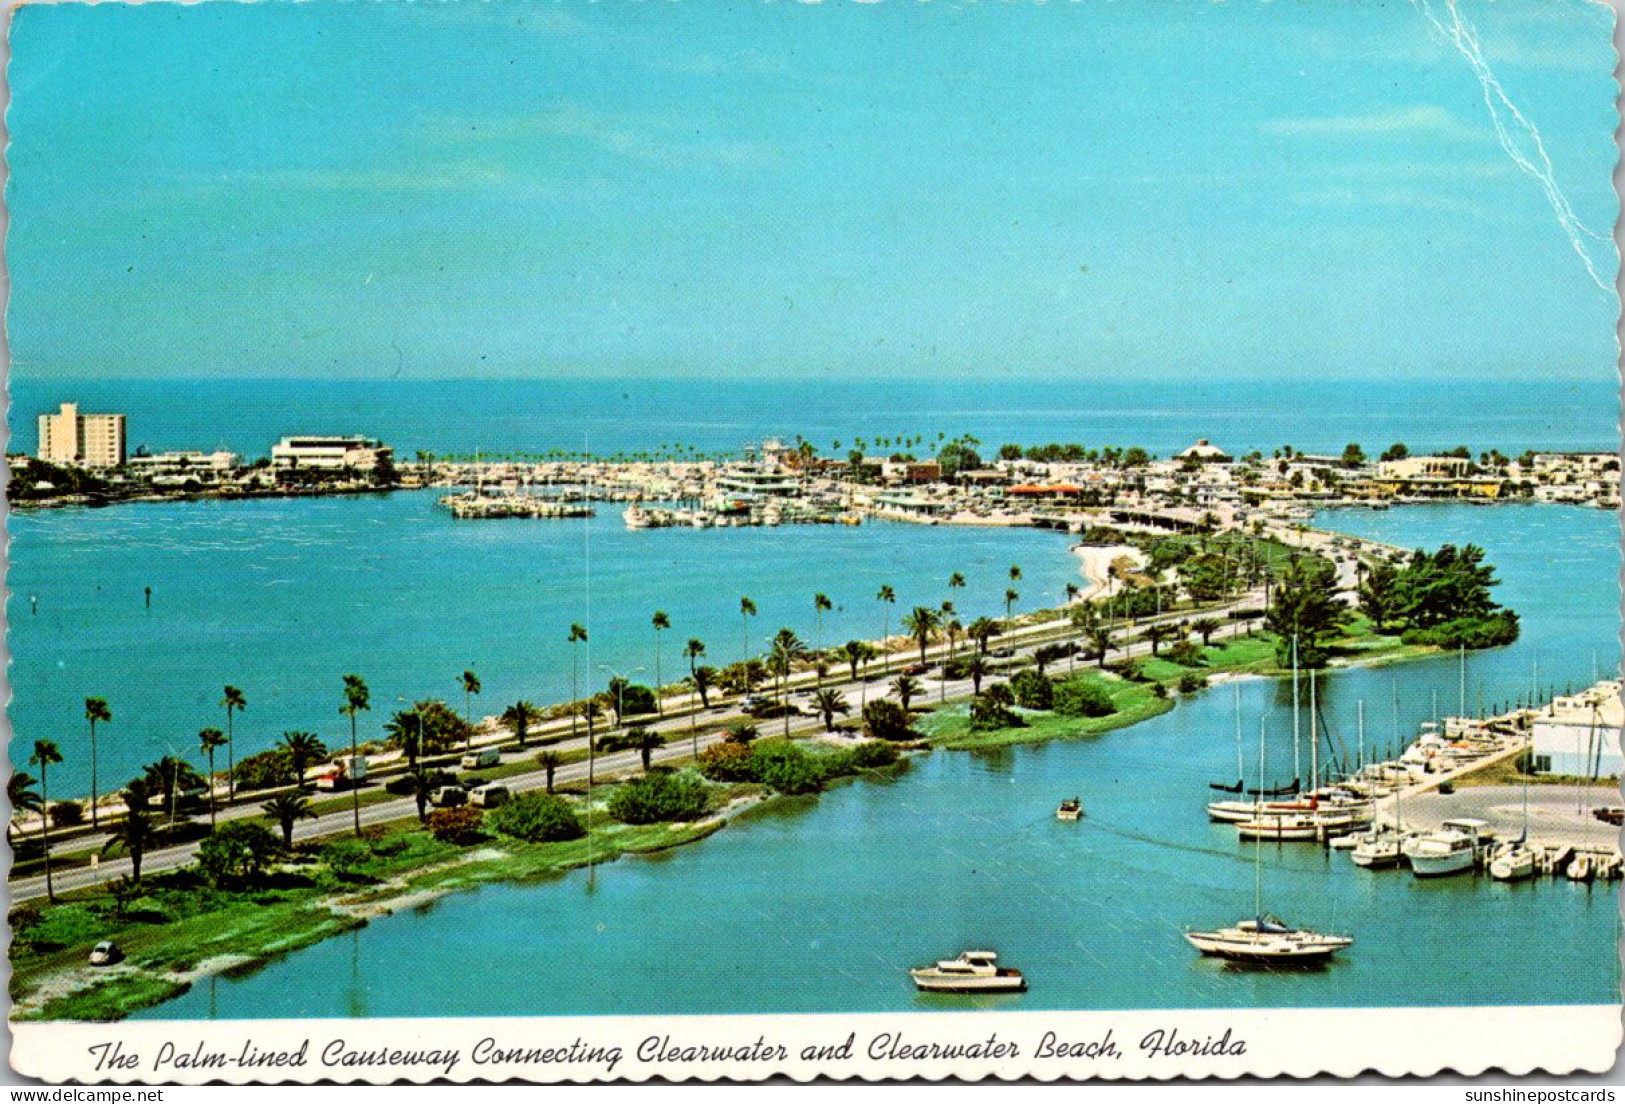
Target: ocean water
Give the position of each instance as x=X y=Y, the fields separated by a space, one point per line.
x=820 y=904
x=537 y=417
x=282 y=597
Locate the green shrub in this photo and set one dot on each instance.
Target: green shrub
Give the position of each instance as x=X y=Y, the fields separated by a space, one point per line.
x=1190 y=683
x=1186 y=653
x=886 y=720
x=872 y=754
x=238 y=849
x=347 y=858
x=1081 y=698
x=67 y=814
x=658 y=797
x=537 y=818
x=1468 y=632
x=460 y=825
x=1032 y=690
x=992 y=709
x=741 y=732
x=263 y=771
x=728 y=762
x=788 y=769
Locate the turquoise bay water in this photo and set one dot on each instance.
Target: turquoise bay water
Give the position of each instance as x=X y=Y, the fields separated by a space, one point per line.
x=819 y=905
x=283 y=597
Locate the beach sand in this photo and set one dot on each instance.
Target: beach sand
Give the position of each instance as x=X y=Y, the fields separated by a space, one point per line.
x=1096 y=565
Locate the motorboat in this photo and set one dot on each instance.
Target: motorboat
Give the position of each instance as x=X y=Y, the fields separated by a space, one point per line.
x=1580 y=867
x=1070 y=809
x=1266 y=939
x=971 y=972
x=1453 y=848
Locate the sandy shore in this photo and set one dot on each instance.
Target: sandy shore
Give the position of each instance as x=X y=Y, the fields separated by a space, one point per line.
x=1096 y=565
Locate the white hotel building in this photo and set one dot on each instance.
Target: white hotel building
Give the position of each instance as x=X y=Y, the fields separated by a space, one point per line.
x=329 y=453
x=82 y=440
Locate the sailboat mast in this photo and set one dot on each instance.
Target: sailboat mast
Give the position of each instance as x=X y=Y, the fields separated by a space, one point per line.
x=1359 y=760
x=1297 y=709
x=1241 y=771
x=1314 y=742
x=1258 y=840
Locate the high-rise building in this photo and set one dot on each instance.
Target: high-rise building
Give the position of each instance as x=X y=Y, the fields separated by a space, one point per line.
x=88 y=440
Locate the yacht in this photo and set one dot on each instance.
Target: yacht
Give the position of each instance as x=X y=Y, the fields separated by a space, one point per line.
x=971 y=972
x=1266 y=939
x=1070 y=809
x=635 y=517
x=1455 y=847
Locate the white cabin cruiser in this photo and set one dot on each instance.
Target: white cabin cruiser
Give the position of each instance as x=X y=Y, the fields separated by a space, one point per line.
x=1455 y=847
x=971 y=972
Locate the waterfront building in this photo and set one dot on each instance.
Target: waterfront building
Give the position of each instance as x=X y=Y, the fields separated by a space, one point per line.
x=329 y=453
x=179 y=466
x=1203 y=452
x=1579 y=734
x=83 y=440
x=910 y=472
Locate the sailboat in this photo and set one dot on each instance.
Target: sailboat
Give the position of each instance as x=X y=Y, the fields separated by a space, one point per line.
x=1263 y=938
x=1516 y=861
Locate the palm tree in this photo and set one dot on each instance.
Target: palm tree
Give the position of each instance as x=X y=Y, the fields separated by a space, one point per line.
x=921 y=623
x=1015 y=573
x=821 y=603
x=787 y=648
x=1205 y=627
x=693 y=650
x=284 y=809
x=703 y=679
x=977 y=668
x=1100 y=639
x=521 y=715
x=471 y=686
x=577 y=635
x=166 y=775
x=550 y=761
x=982 y=630
x=124 y=890
x=96 y=711
x=45 y=753
x=829 y=703
x=1157 y=632
x=357 y=699
x=405 y=731
x=1011 y=595
x=234 y=701
x=659 y=621
x=645 y=740
x=133 y=833
x=956 y=581
x=24 y=798
x=747 y=610
x=905 y=686
x=421 y=784
x=208 y=740
x=1071 y=592
x=303 y=748
x=887 y=597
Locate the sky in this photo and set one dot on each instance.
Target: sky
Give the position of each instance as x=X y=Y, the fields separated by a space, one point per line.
x=1110 y=189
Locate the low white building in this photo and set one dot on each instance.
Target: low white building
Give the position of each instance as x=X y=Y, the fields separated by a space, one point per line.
x=182 y=463
x=329 y=453
x=1579 y=733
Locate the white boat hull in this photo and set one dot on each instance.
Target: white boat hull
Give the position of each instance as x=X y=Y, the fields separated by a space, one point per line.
x=1003 y=982
x=1514 y=867
x=1238 y=945
x=1424 y=865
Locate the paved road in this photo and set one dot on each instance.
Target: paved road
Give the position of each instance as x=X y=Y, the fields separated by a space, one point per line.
x=708 y=729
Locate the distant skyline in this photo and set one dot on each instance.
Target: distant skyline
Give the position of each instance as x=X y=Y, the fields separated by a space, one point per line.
x=519 y=190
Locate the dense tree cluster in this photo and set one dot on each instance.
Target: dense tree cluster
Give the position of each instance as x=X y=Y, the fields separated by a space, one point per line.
x=1441 y=598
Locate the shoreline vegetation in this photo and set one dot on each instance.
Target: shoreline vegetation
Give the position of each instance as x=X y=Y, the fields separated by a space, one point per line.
x=250 y=898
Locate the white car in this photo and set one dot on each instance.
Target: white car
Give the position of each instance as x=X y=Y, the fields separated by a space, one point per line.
x=105 y=953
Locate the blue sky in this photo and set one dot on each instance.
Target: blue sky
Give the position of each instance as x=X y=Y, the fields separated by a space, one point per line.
x=1073 y=190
